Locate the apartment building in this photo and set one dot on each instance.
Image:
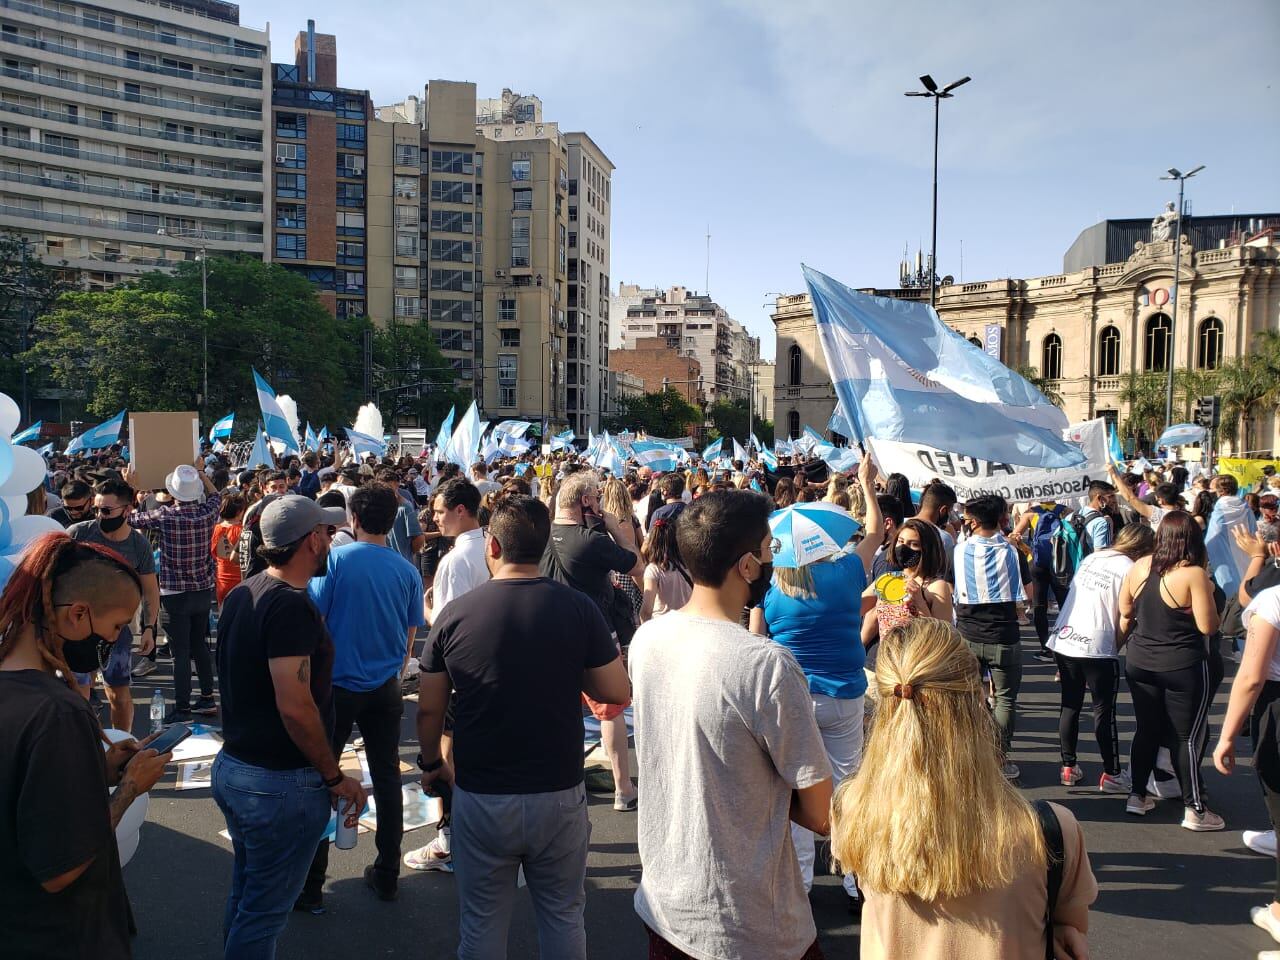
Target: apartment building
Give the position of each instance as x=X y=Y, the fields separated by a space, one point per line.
x=587 y=353
x=694 y=325
x=133 y=132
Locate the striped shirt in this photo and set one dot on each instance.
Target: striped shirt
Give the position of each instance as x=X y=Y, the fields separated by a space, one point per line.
x=987 y=571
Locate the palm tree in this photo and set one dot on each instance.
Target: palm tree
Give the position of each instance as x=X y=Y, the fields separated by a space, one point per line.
x=1251 y=388
x=1048 y=387
x=1145 y=394
x=1189 y=386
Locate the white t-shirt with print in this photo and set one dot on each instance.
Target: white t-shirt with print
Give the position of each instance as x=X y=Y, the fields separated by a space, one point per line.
x=1090 y=617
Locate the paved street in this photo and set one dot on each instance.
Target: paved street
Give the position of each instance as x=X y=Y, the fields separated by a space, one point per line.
x=1165 y=892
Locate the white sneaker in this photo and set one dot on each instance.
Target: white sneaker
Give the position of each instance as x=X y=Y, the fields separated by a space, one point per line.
x=1260 y=841
x=431 y=857
x=1264 y=918
x=1163 y=789
x=1202 y=822
x=1139 y=806
x=1121 y=783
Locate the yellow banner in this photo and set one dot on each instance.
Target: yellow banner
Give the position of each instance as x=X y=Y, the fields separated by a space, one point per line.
x=1248 y=473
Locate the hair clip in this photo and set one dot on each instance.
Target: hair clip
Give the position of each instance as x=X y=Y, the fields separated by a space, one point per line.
x=903 y=691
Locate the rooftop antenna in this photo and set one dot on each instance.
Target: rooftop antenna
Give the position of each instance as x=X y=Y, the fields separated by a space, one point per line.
x=707 y=288
x=962 y=262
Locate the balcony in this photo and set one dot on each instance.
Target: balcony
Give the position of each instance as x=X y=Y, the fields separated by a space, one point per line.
x=54 y=183
x=49 y=46
x=76 y=153
x=111 y=94
x=224 y=143
x=130 y=226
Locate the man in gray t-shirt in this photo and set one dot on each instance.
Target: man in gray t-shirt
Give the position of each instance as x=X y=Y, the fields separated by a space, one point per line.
x=725 y=734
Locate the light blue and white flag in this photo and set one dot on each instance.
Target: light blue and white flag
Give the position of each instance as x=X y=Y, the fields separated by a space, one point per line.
x=840 y=459
x=810 y=439
x=738 y=452
x=31 y=433
x=273 y=420
x=324 y=435
x=1115 y=451
x=1181 y=434
x=221 y=429
x=658 y=457
x=466 y=439
x=713 y=451
x=839 y=423
x=768 y=459
x=46 y=450
x=96 y=438
x=755 y=442
x=442 y=438
x=514 y=428
x=310 y=438
x=261 y=455
x=562 y=441
x=363 y=444
x=901 y=374
x=783 y=448
x=608 y=457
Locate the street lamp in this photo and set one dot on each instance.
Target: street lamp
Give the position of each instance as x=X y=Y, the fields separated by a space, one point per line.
x=204 y=306
x=938 y=95
x=1175 y=174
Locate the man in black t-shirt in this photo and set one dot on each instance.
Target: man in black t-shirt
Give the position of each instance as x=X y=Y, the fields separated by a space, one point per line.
x=517 y=650
x=276 y=778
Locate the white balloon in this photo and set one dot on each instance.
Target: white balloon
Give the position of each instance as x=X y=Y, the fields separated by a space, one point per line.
x=26 y=529
x=29 y=469
x=127 y=833
x=10 y=416
x=16 y=503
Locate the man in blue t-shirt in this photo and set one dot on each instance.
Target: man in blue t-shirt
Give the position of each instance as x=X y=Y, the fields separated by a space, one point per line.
x=371 y=600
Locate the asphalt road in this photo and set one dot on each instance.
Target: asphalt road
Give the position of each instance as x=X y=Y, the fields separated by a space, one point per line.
x=1164 y=891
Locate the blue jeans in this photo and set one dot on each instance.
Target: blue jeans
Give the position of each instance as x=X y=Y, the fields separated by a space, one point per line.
x=275 y=818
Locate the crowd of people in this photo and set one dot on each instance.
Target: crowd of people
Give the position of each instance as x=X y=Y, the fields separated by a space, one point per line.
x=869 y=694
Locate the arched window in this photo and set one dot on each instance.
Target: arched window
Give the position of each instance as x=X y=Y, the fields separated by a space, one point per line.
x=1051 y=358
x=1209 y=344
x=1109 y=352
x=793 y=423
x=793 y=362
x=1156 y=354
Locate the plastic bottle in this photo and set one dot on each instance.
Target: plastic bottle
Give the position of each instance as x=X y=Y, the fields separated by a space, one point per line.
x=157 y=711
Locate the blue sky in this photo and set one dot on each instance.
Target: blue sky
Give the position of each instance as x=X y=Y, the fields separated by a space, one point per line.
x=783 y=125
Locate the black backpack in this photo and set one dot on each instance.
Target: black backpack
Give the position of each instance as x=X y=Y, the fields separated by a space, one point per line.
x=1056 y=855
x=251 y=538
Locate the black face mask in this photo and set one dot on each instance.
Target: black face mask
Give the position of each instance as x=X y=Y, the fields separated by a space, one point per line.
x=760 y=585
x=111 y=524
x=905 y=556
x=87 y=655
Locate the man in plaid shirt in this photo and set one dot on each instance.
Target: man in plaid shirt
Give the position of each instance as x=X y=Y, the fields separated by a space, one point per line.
x=186 y=581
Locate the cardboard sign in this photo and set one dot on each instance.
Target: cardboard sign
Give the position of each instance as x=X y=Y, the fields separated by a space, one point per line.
x=158 y=442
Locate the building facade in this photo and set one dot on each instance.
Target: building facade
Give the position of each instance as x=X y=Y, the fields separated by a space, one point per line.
x=764 y=370
x=134 y=133
x=587 y=354
x=658 y=365
x=1085 y=332
x=692 y=324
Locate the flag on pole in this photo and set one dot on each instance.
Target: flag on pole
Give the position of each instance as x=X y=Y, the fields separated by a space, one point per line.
x=713 y=450
x=901 y=374
x=261 y=455
x=738 y=452
x=273 y=419
x=465 y=439
x=442 y=438
x=96 y=438
x=768 y=459
x=46 y=450
x=1115 y=451
x=221 y=429
x=364 y=444
x=31 y=433
x=562 y=441
x=839 y=423
x=514 y=428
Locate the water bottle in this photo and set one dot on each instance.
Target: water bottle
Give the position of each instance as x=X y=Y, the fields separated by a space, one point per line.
x=157 y=711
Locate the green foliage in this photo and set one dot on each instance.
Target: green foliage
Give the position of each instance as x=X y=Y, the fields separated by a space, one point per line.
x=1250 y=387
x=664 y=413
x=1145 y=395
x=730 y=419
x=28 y=288
x=411 y=376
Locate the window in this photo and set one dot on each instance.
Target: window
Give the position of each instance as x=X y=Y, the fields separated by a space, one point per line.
x=351 y=135
x=451 y=161
x=407 y=277
x=511 y=338
x=573 y=238
x=406 y=188
x=506 y=396
x=451 y=221
x=454 y=340
x=350 y=252
x=291 y=126
x=406 y=216
x=793 y=365
x=286 y=73
x=507 y=367
x=292 y=216
x=520 y=241
x=1051 y=357
x=350 y=280
x=521 y=199
x=407 y=154
x=452 y=191
x=406 y=306
x=451 y=311
x=525 y=112
x=976 y=342
x=1209 y=344
x=293 y=155
x=506 y=311
x=350 y=224
x=1156 y=355
x=573 y=214
x=351 y=165
x=291 y=185
x=459 y=251
x=406 y=244
x=350 y=194
x=459 y=280
x=793 y=425
x=350 y=308
x=1109 y=352
x=521 y=170
x=291 y=246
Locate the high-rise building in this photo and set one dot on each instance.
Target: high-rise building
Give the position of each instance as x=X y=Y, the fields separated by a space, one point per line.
x=587 y=354
x=693 y=324
x=133 y=132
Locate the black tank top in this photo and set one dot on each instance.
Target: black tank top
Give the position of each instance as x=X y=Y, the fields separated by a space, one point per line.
x=1164 y=638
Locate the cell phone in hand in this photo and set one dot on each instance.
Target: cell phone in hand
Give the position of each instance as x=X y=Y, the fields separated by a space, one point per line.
x=169 y=738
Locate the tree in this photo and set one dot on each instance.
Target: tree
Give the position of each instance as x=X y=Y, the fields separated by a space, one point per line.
x=1047 y=387
x=1189 y=386
x=411 y=377
x=1250 y=387
x=28 y=289
x=1145 y=393
x=664 y=413
x=730 y=419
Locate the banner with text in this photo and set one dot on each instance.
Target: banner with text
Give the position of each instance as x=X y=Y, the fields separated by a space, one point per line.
x=1248 y=473
x=971 y=477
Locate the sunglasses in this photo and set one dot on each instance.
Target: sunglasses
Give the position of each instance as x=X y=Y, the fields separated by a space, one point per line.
x=106 y=511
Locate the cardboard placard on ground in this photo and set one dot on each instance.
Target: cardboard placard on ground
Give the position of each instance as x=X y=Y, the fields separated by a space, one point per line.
x=158 y=442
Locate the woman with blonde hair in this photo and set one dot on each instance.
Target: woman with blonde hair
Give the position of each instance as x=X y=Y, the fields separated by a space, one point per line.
x=615 y=500
x=953 y=861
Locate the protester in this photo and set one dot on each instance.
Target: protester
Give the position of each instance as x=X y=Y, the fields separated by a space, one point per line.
x=61 y=891
x=937 y=507
x=187 y=576
x=1168 y=600
x=953 y=865
x=667 y=585
x=671 y=488
x=1044 y=520
x=371 y=601
x=277 y=776
x=918 y=554
x=815 y=611
x=893 y=517
x=1269 y=519
x=988 y=589
x=1086 y=644
x=723 y=715
x=1202 y=507
x=582 y=557
x=517 y=649
x=1263 y=550
x=77 y=503
x=1227 y=562
x=225 y=545
x=112 y=502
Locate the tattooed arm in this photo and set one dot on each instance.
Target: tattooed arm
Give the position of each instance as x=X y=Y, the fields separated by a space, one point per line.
x=291 y=677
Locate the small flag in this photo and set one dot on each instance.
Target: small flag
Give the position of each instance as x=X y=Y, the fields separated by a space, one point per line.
x=364 y=444
x=261 y=455
x=562 y=441
x=96 y=438
x=273 y=419
x=465 y=439
x=31 y=433
x=1115 y=451
x=221 y=429
x=738 y=452
x=656 y=456
x=442 y=438
x=713 y=451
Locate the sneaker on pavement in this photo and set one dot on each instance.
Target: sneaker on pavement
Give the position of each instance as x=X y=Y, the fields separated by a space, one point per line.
x=1264 y=918
x=1260 y=841
x=1139 y=806
x=1202 y=822
x=1044 y=656
x=1072 y=775
x=206 y=707
x=430 y=857
x=1010 y=770
x=177 y=716
x=626 y=805
x=1163 y=789
x=144 y=667
x=1118 y=783
x=386 y=888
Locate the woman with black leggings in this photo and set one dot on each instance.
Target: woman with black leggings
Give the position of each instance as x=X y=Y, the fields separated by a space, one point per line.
x=1085 y=644
x=1167 y=610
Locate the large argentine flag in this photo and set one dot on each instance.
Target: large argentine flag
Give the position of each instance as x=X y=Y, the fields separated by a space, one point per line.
x=656 y=456
x=364 y=444
x=221 y=429
x=273 y=420
x=96 y=438
x=902 y=374
x=713 y=451
x=442 y=438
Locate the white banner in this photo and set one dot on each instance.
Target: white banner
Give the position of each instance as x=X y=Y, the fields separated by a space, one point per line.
x=971 y=477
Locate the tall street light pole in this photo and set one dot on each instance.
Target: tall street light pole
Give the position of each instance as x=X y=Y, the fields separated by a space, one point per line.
x=931 y=89
x=1182 y=178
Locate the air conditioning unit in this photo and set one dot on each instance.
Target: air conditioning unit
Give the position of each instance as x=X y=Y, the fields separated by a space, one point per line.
x=499 y=274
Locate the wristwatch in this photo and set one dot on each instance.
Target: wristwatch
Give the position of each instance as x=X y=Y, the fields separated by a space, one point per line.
x=431 y=767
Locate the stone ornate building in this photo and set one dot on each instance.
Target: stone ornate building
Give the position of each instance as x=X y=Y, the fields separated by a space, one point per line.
x=1086 y=330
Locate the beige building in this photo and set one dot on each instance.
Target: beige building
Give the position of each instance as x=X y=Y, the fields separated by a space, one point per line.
x=764 y=389
x=587 y=353
x=1085 y=331
x=125 y=119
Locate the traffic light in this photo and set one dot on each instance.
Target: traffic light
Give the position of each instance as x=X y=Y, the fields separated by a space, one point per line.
x=1208 y=412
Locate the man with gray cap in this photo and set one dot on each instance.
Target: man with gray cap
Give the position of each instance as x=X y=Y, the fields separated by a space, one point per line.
x=277 y=778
